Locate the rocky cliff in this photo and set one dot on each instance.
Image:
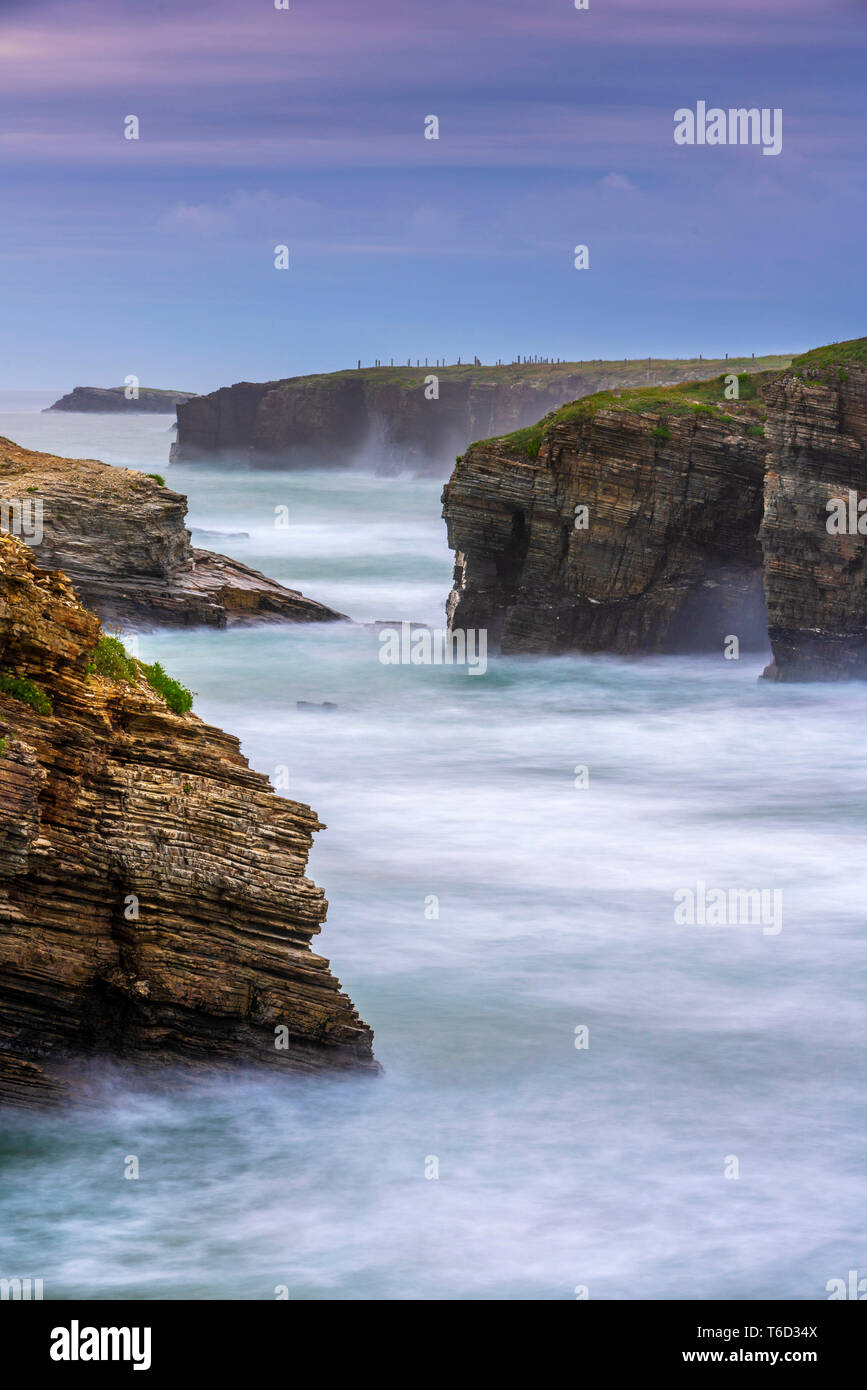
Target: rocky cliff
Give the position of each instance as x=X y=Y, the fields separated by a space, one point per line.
x=112 y=400
x=388 y=417
x=813 y=534
x=628 y=524
x=120 y=536
x=668 y=520
x=153 y=898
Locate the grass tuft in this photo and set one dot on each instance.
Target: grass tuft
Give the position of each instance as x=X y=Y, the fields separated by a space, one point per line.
x=25 y=690
x=178 y=698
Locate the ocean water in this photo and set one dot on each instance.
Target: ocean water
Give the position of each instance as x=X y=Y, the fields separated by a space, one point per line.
x=482 y=908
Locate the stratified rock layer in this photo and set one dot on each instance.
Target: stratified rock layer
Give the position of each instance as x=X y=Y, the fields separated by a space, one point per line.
x=816 y=579
x=121 y=537
x=389 y=417
x=153 y=898
x=664 y=559
x=696 y=505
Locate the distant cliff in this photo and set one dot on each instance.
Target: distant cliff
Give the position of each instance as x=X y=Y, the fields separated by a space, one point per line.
x=111 y=400
x=122 y=539
x=393 y=418
x=153 y=898
x=668 y=520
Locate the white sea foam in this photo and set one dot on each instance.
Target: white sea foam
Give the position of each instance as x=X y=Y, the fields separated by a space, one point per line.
x=557 y=1166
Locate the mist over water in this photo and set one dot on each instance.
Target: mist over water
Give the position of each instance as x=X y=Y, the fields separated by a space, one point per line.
x=558 y=1167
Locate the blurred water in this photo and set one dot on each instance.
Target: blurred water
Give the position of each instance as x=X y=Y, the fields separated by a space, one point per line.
x=557 y=1167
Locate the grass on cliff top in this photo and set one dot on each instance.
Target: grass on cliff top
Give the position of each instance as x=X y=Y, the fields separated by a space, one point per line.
x=25 y=690
x=854 y=352
x=685 y=398
x=111 y=659
x=539 y=373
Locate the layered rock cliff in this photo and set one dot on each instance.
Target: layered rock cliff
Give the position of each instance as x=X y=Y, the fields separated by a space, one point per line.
x=112 y=400
x=120 y=536
x=670 y=520
x=153 y=898
x=388 y=417
x=816 y=478
x=628 y=524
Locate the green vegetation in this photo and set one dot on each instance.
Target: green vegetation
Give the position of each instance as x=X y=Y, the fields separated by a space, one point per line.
x=757 y=431
x=527 y=441
x=112 y=660
x=3 y=746
x=27 y=691
x=157 y=477
x=683 y=399
x=821 y=359
x=176 y=696
x=540 y=373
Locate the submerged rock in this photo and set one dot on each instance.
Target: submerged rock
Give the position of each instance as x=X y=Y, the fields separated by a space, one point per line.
x=153 y=899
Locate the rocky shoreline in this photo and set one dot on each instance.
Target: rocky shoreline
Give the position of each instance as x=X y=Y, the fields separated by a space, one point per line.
x=153 y=897
x=670 y=520
x=121 y=538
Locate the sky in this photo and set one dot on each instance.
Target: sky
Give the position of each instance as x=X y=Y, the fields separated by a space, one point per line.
x=305 y=127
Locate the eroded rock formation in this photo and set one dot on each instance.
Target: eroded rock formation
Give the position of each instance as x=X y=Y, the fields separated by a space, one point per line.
x=665 y=558
x=121 y=537
x=153 y=898
x=816 y=578
x=385 y=418
x=705 y=518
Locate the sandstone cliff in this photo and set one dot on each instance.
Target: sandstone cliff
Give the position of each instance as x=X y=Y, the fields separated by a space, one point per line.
x=382 y=416
x=705 y=518
x=153 y=903
x=111 y=400
x=120 y=536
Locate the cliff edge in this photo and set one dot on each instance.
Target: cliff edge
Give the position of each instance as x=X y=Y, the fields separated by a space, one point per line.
x=393 y=418
x=121 y=538
x=153 y=898
x=671 y=519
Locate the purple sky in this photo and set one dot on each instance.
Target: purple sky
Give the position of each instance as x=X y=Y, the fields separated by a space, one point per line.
x=305 y=127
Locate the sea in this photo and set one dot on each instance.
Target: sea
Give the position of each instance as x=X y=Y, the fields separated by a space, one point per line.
x=586 y=1090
